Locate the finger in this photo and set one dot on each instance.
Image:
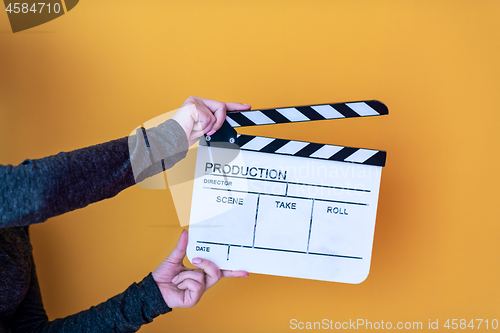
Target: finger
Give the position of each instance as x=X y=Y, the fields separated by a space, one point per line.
x=218 y=109
x=195 y=135
x=220 y=116
x=213 y=273
x=234 y=274
x=179 y=252
x=191 y=285
x=237 y=106
x=217 y=117
x=198 y=276
x=212 y=104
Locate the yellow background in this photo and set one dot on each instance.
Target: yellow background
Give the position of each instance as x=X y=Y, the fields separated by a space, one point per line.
x=96 y=73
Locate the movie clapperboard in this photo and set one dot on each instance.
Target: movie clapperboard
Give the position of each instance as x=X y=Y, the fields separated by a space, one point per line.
x=283 y=207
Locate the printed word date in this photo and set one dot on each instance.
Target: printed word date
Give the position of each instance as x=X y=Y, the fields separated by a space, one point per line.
x=203 y=248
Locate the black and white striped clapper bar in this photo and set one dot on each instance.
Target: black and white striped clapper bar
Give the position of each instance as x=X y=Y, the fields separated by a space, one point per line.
x=284 y=207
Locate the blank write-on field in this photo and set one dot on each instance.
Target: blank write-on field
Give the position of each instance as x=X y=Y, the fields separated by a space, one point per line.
x=287 y=208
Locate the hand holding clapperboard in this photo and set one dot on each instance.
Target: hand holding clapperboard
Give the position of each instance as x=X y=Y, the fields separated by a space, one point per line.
x=282 y=207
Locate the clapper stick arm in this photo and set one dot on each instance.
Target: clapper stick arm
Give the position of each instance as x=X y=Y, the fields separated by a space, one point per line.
x=227 y=137
x=307 y=113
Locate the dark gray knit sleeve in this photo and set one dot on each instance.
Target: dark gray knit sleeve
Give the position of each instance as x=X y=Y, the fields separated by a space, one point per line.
x=139 y=304
x=39 y=189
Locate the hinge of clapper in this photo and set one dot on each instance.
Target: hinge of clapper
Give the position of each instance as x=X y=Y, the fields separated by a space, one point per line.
x=224 y=137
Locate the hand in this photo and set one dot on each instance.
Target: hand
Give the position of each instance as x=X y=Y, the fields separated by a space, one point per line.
x=182 y=287
x=198 y=116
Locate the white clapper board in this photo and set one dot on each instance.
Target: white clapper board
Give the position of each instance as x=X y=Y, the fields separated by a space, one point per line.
x=287 y=208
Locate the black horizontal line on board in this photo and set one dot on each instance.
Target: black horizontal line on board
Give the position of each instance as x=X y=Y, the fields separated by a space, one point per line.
x=287 y=196
x=294 y=183
x=280 y=250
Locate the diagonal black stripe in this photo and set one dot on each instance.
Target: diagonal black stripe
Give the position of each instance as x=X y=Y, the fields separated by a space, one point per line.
x=275 y=145
x=378 y=106
x=275 y=116
x=377 y=159
x=240 y=119
x=308 y=150
x=345 y=110
x=343 y=154
x=145 y=137
x=243 y=139
x=310 y=113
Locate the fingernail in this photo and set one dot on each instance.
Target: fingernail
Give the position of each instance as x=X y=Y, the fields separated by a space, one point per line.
x=246 y=104
x=196 y=260
x=180 y=285
x=175 y=278
x=211 y=132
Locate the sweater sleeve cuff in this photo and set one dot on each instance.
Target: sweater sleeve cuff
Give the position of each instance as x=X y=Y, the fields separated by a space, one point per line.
x=156 y=149
x=153 y=299
x=174 y=129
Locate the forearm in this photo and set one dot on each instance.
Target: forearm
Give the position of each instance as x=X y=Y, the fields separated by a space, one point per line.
x=126 y=312
x=36 y=190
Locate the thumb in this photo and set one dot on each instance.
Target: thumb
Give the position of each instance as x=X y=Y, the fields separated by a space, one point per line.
x=178 y=254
